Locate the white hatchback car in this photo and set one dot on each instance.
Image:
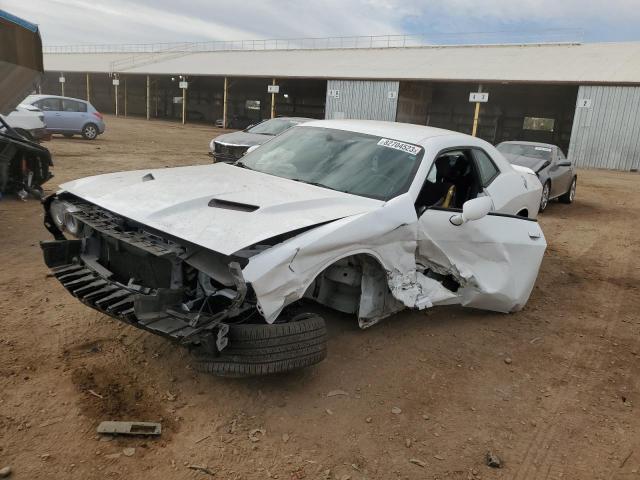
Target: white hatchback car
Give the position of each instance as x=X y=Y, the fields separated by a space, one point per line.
x=365 y=217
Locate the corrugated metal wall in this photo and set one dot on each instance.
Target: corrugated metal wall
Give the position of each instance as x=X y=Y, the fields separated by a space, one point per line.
x=606 y=128
x=362 y=99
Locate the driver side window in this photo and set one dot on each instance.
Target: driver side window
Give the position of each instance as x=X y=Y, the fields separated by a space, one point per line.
x=451 y=181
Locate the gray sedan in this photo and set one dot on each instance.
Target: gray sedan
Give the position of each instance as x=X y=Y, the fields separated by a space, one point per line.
x=232 y=146
x=556 y=173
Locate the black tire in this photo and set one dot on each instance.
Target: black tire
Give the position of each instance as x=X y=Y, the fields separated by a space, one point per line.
x=266 y=349
x=544 y=198
x=90 y=131
x=570 y=195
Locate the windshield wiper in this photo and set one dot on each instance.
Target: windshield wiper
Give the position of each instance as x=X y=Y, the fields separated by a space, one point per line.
x=241 y=164
x=316 y=184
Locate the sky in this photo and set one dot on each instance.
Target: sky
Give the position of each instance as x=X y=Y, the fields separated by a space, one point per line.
x=65 y=22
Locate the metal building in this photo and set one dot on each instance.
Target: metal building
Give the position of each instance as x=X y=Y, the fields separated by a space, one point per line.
x=583 y=97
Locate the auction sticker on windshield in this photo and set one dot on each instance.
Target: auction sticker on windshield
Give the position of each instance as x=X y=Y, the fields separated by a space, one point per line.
x=543 y=149
x=403 y=147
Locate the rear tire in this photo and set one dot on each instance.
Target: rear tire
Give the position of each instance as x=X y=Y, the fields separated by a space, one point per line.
x=90 y=131
x=266 y=349
x=570 y=196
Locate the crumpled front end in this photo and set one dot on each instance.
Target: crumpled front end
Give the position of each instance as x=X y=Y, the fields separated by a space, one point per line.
x=142 y=277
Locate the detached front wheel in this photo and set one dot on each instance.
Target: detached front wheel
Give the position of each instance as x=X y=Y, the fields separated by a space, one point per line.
x=262 y=349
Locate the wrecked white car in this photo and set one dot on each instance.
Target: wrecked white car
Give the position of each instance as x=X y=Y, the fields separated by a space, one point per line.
x=364 y=217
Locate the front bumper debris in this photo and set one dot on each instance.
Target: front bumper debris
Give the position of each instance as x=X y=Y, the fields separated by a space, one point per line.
x=155 y=310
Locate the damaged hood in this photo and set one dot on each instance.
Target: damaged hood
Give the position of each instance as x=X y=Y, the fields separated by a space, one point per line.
x=221 y=207
x=533 y=163
x=20 y=60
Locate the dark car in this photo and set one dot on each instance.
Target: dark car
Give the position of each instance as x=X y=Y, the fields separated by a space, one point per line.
x=24 y=164
x=232 y=146
x=556 y=173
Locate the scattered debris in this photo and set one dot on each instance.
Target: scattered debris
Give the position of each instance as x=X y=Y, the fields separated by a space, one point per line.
x=335 y=393
x=285 y=437
x=113 y=456
x=396 y=410
x=95 y=394
x=407 y=443
x=329 y=411
x=129 y=451
x=202 y=469
x=438 y=457
x=493 y=460
x=5 y=472
x=253 y=434
x=171 y=397
x=535 y=340
x=45 y=456
x=420 y=463
x=203 y=439
x=368 y=419
x=129 y=428
x=508 y=360
x=425 y=417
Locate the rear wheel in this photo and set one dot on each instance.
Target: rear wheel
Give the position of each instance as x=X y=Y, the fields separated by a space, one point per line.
x=265 y=349
x=570 y=196
x=90 y=131
x=544 y=200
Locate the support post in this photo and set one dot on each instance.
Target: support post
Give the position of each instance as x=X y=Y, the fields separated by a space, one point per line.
x=62 y=89
x=224 y=103
x=184 y=106
x=88 y=89
x=125 y=97
x=148 y=99
x=116 y=87
x=476 y=115
x=273 y=101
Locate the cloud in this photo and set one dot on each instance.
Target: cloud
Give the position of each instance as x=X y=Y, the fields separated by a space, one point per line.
x=146 y=21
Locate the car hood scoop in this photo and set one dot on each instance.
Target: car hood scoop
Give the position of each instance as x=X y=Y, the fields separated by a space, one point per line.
x=221 y=207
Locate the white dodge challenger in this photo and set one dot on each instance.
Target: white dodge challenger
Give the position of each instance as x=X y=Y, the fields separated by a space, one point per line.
x=364 y=217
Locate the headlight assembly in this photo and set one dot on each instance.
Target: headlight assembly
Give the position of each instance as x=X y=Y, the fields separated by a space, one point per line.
x=57 y=211
x=61 y=214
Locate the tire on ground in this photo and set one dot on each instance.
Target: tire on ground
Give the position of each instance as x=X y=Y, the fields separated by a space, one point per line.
x=566 y=198
x=265 y=349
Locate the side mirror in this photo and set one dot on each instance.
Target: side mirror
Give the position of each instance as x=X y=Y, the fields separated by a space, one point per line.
x=473 y=209
x=251 y=149
x=564 y=164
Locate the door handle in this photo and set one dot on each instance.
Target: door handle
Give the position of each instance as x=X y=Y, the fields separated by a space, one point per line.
x=534 y=235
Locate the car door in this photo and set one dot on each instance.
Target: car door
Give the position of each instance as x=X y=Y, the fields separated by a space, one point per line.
x=564 y=173
x=74 y=114
x=494 y=259
x=52 y=111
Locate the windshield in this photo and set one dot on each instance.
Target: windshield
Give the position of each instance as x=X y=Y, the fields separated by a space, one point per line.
x=275 y=126
x=526 y=150
x=350 y=162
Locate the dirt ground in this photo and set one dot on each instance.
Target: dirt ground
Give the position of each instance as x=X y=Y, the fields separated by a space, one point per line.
x=553 y=390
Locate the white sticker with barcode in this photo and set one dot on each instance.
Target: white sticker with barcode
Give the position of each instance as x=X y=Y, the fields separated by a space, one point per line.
x=403 y=147
x=543 y=149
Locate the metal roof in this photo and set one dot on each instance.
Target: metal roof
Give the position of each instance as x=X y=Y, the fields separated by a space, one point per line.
x=606 y=63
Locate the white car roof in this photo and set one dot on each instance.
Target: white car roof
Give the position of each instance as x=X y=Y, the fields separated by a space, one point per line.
x=405 y=132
